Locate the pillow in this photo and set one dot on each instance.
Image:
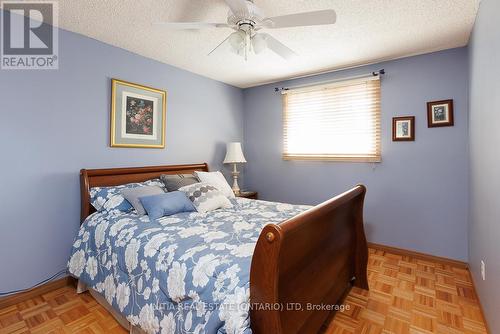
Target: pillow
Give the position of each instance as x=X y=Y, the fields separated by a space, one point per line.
x=132 y=196
x=174 y=182
x=110 y=198
x=166 y=204
x=218 y=181
x=206 y=197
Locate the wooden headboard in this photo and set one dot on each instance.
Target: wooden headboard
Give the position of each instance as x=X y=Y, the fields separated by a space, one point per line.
x=115 y=176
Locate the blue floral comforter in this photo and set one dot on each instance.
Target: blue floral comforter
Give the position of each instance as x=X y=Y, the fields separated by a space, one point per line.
x=186 y=273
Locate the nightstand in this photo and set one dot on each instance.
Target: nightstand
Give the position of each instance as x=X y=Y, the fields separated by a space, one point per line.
x=249 y=194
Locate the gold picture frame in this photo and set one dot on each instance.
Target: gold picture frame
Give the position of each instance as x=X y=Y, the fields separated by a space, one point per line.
x=138 y=115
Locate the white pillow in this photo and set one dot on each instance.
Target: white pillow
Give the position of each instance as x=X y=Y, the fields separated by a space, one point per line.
x=218 y=181
x=206 y=197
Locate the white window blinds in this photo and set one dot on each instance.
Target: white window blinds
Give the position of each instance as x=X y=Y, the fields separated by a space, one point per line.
x=339 y=121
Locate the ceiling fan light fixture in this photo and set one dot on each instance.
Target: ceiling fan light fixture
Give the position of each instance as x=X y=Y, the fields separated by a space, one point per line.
x=237 y=41
x=240 y=52
x=259 y=43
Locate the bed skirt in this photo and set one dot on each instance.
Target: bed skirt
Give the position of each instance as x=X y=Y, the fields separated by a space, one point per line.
x=82 y=287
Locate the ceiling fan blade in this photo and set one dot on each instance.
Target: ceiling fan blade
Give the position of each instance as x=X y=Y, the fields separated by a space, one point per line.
x=191 y=25
x=279 y=48
x=302 y=19
x=238 y=7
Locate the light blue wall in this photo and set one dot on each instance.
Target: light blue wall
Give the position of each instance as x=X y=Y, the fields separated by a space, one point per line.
x=484 y=231
x=53 y=123
x=417 y=197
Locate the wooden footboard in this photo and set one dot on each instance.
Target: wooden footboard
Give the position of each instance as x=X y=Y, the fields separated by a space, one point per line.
x=304 y=266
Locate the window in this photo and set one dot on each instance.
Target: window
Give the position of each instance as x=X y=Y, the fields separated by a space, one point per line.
x=339 y=121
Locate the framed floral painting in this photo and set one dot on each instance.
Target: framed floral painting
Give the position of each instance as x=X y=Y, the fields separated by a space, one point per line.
x=403 y=128
x=138 y=115
x=440 y=113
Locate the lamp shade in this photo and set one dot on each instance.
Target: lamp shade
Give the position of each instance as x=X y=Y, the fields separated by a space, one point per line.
x=234 y=154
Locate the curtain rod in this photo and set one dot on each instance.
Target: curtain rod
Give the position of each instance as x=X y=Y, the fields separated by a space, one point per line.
x=373 y=74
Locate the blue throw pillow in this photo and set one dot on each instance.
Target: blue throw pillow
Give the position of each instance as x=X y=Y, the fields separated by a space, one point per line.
x=166 y=204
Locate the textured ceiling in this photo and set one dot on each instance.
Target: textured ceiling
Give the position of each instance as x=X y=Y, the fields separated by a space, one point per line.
x=366 y=31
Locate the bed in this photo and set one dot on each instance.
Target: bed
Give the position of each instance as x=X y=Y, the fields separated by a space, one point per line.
x=258 y=267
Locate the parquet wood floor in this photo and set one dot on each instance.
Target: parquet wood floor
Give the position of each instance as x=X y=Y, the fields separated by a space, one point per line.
x=409 y=295
x=406 y=295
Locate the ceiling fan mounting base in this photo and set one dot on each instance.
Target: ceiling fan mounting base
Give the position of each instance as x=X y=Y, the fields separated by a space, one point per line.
x=237 y=20
x=246 y=25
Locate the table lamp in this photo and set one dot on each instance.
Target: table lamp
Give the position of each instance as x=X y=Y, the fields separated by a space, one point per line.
x=234 y=155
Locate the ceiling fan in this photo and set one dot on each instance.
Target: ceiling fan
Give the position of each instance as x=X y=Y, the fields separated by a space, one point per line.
x=248 y=20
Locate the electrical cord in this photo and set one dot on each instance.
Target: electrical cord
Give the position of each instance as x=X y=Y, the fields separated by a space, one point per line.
x=59 y=273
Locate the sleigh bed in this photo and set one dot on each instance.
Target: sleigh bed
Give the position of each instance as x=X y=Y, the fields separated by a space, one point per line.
x=298 y=269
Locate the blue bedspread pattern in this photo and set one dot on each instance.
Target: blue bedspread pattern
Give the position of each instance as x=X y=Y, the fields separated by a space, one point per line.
x=186 y=273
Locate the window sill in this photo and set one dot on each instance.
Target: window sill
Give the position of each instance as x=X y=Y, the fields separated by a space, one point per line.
x=337 y=158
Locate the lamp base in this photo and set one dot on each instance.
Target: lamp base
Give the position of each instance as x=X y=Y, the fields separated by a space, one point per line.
x=235 y=187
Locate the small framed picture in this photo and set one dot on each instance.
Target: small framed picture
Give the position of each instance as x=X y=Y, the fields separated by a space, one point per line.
x=440 y=113
x=137 y=115
x=403 y=128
